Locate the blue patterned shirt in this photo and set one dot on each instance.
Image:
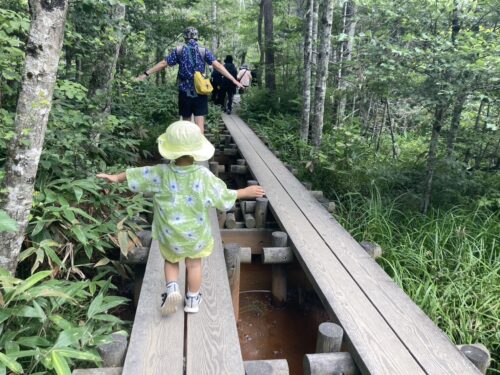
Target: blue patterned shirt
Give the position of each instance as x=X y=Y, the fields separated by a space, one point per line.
x=190 y=61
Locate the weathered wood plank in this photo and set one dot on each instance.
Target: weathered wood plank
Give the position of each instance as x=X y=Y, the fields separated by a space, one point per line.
x=212 y=338
x=427 y=343
x=156 y=342
x=255 y=238
x=376 y=348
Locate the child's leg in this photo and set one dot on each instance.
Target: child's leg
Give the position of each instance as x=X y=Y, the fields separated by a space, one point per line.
x=171 y=271
x=193 y=295
x=193 y=267
x=172 y=296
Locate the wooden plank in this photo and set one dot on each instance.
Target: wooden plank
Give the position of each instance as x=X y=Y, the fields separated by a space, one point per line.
x=427 y=343
x=255 y=238
x=156 y=343
x=213 y=345
x=377 y=350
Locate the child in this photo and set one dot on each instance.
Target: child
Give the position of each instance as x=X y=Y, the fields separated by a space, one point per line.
x=184 y=192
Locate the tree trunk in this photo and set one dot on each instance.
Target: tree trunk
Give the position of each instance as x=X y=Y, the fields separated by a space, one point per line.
x=306 y=108
x=455 y=123
x=381 y=128
x=322 y=72
x=260 y=69
x=391 y=129
x=33 y=107
x=345 y=55
x=213 y=16
x=314 y=56
x=432 y=156
x=267 y=6
x=103 y=74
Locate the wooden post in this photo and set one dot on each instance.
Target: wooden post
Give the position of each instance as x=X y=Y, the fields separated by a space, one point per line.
x=230 y=151
x=221 y=217
x=241 y=162
x=239 y=169
x=308 y=185
x=232 y=257
x=230 y=220
x=214 y=168
x=252 y=182
x=329 y=338
x=248 y=207
x=279 y=280
x=266 y=367
x=227 y=140
x=274 y=255
x=478 y=354
x=260 y=212
x=373 y=249
x=245 y=255
x=249 y=220
x=329 y=363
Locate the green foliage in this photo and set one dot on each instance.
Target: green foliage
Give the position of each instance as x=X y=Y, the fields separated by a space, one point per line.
x=447 y=262
x=44 y=328
x=6 y=223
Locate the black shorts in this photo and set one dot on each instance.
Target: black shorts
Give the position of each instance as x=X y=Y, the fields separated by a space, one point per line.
x=192 y=106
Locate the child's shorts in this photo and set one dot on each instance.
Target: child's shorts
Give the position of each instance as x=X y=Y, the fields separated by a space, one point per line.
x=171 y=256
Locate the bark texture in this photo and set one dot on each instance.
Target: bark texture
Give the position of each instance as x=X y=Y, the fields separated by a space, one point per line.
x=104 y=72
x=325 y=31
x=306 y=107
x=267 y=7
x=35 y=100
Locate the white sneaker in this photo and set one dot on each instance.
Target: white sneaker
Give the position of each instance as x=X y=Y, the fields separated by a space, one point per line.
x=170 y=299
x=193 y=303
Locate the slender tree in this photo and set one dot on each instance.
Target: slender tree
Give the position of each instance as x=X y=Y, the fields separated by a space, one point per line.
x=306 y=107
x=325 y=31
x=33 y=107
x=349 y=28
x=267 y=7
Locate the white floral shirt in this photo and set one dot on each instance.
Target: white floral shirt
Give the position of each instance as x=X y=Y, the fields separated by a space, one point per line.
x=182 y=197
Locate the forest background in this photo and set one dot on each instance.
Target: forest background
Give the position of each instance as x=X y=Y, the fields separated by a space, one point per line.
x=389 y=107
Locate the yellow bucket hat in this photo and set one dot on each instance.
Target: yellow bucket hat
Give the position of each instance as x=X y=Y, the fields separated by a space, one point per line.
x=184 y=138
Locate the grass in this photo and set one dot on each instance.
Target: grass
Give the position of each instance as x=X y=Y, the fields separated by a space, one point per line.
x=448 y=262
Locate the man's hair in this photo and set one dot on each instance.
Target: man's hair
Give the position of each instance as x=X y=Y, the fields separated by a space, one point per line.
x=190 y=33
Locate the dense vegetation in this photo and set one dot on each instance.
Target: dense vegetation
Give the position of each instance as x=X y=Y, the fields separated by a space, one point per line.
x=408 y=146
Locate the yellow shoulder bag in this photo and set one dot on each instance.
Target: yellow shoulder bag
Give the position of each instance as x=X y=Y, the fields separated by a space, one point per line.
x=202 y=84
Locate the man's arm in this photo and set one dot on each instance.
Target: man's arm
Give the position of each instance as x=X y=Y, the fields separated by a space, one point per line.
x=158 y=67
x=220 y=68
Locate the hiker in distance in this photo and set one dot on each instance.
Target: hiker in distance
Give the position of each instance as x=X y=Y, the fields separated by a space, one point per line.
x=191 y=58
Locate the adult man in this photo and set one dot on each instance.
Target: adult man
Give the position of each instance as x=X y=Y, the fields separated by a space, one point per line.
x=191 y=58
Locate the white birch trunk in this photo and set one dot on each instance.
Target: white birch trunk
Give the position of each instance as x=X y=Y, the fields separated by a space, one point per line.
x=306 y=109
x=35 y=100
x=345 y=55
x=215 y=41
x=322 y=72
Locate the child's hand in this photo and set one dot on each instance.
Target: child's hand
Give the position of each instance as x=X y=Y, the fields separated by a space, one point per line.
x=253 y=191
x=110 y=177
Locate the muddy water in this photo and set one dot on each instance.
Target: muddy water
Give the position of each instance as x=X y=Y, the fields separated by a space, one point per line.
x=267 y=332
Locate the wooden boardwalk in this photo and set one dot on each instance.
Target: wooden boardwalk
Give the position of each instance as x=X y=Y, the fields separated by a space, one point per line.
x=387 y=333
x=205 y=343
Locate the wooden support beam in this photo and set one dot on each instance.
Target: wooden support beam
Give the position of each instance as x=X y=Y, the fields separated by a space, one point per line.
x=230 y=151
x=260 y=212
x=266 y=367
x=232 y=257
x=478 y=354
x=274 y=255
x=373 y=249
x=252 y=182
x=248 y=206
x=230 y=220
x=279 y=277
x=329 y=338
x=329 y=363
x=239 y=169
x=245 y=254
x=249 y=220
x=255 y=238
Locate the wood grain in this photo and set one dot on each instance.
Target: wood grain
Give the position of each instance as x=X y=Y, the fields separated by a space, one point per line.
x=427 y=343
x=429 y=346
x=212 y=338
x=157 y=342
